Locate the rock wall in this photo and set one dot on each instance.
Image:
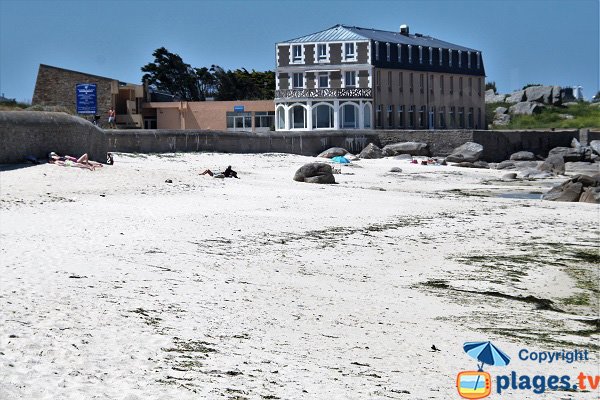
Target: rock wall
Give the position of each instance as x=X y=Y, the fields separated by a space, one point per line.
x=37 y=133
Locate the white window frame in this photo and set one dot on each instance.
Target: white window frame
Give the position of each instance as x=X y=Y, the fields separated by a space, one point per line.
x=326 y=56
x=430 y=55
x=292 y=55
x=346 y=83
x=319 y=76
x=349 y=56
x=399 y=53
x=388 y=53
x=294 y=86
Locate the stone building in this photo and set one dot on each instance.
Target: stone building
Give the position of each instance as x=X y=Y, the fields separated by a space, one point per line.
x=56 y=87
x=347 y=77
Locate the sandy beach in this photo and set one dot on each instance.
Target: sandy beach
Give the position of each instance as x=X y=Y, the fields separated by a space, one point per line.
x=118 y=285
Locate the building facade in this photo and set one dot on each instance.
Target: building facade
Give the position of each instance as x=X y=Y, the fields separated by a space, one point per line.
x=355 y=78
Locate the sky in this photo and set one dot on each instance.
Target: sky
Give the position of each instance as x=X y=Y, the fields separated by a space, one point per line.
x=550 y=42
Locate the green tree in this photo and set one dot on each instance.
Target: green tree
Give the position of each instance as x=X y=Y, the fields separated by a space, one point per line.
x=168 y=72
x=491 y=85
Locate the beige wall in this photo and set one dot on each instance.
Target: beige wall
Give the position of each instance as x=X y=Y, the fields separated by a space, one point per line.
x=205 y=115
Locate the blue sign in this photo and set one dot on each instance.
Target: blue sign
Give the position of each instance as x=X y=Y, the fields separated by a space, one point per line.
x=85 y=94
x=238 y=108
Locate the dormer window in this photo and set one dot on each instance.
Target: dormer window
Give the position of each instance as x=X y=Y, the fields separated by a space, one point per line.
x=420 y=54
x=430 y=56
x=399 y=53
x=441 y=55
x=388 y=56
x=376 y=51
x=460 y=59
x=478 y=60
x=297 y=53
x=410 y=54
x=469 y=59
x=322 y=52
x=349 y=53
x=449 y=57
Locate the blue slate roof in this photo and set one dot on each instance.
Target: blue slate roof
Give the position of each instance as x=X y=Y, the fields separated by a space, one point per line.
x=340 y=33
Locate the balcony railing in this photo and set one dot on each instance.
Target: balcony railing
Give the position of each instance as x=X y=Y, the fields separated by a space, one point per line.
x=325 y=93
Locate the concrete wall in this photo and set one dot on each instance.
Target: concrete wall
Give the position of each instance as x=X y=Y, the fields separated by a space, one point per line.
x=441 y=143
x=36 y=133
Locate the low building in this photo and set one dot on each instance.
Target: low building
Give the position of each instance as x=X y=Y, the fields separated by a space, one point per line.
x=347 y=77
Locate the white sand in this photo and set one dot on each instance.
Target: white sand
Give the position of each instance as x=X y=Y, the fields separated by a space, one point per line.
x=117 y=285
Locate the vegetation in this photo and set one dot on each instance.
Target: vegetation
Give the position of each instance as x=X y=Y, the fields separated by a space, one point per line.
x=584 y=115
x=530 y=85
x=491 y=85
x=169 y=73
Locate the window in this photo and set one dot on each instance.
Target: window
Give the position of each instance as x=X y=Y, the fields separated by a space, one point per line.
x=422 y=117
x=452 y=117
x=431 y=84
x=478 y=119
x=239 y=121
x=411 y=83
x=322 y=52
x=296 y=53
x=442 y=84
x=322 y=117
x=461 y=117
x=470 y=86
x=460 y=86
x=378 y=116
x=442 y=120
x=298 y=117
x=470 y=118
x=451 y=84
x=411 y=117
x=399 y=53
x=349 y=51
x=323 y=79
x=410 y=54
x=430 y=56
x=350 y=80
x=367 y=116
x=388 y=56
x=378 y=79
x=401 y=81
x=349 y=116
x=280 y=118
x=298 y=80
x=469 y=59
x=401 y=116
x=421 y=83
x=377 y=51
x=440 y=54
x=264 y=119
x=431 y=118
x=420 y=54
x=389 y=81
x=478 y=60
x=449 y=57
x=460 y=59
x=390 y=116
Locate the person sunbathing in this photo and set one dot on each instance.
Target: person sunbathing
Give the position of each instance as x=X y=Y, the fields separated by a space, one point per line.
x=70 y=161
x=228 y=173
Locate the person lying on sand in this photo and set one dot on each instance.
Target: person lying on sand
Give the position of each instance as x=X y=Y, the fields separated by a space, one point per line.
x=228 y=173
x=70 y=161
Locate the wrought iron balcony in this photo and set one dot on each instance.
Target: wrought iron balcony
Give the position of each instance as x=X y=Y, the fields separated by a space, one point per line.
x=324 y=93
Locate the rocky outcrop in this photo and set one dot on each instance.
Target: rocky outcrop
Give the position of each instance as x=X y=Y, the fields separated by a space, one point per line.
x=595 y=146
x=315 y=173
x=540 y=94
x=522 y=156
x=491 y=97
x=516 y=97
x=333 y=152
x=581 y=153
x=554 y=164
x=526 y=108
x=412 y=148
x=371 y=151
x=501 y=119
x=582 y=188
x=469 y=152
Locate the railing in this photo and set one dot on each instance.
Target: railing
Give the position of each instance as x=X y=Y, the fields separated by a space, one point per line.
x=345 y=93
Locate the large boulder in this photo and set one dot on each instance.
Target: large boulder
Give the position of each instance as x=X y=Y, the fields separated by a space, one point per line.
x=522 y=156
x=371 y=151
x=595 y=146
x=581 y=153
x=583 y=188
x=554 y=164
x=412 y=148
x=491 y=97
x=516 y=97
x=333 y=152
x=469 y=152
x=526 y=108
x=556 y=100
x=315 y=173
x=500 y=110
x=540 y=94
x=501 y=119
x=590 y=195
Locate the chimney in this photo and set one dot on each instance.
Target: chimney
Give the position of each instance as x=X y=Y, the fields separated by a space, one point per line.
x=404 y=29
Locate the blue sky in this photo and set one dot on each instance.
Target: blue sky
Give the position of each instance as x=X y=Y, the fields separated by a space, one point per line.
x=523 y=41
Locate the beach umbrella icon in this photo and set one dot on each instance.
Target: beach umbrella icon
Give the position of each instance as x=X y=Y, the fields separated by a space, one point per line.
x=487 y=353
x=340 y=160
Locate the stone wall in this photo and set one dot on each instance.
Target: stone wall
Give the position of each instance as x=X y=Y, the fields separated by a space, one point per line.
x=441 y=143
x=56 y=86
x=37 y=133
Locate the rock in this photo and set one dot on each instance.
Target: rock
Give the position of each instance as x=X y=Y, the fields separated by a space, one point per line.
x=575 y=143
x=581 y=168
x=554 y=164
x=469 y=152
x=168 y=181
x=569 y=192
x=572 y=154
x=516 y=97
x=522 y=156
x=395 y=169
x=491 y=97
x=566 y=116
x=501 y=119
x=500 y=110
x=510 y=175
x=595 y=146
x=476 y=164
x=333 y=152
x=505 y=165
x=371 y=151
x=540 y=94
x=403 y=157
x=412 y=148
x=590 y=195
x=556 y=100
x=526 y=164
x=533 y=173
x=315 y=173
x=526 y=108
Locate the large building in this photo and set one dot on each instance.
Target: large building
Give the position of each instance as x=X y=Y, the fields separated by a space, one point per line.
x=347 y=77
